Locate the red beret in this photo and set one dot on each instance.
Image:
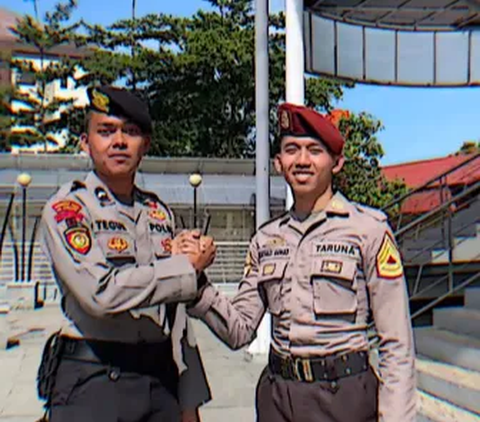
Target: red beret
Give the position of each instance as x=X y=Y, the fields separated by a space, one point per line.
x=296 y=120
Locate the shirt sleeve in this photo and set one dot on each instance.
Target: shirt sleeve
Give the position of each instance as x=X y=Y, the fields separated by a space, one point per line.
x=102 y=289
x=390 y=308
x=236 y=320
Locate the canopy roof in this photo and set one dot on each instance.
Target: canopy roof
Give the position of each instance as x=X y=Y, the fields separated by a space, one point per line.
x=417 y=15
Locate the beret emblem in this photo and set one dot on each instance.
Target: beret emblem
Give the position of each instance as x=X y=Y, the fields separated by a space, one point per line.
x=100 y=101
x=284 y=120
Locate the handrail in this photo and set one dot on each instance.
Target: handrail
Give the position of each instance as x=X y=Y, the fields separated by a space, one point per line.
x=437 y=210
x=439 y=299
x=422 y=187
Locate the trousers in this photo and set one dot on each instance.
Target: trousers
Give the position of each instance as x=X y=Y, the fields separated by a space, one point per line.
x=349 y=399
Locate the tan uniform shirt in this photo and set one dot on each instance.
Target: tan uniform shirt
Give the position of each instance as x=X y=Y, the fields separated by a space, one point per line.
x=114 y=267
x=322 y=280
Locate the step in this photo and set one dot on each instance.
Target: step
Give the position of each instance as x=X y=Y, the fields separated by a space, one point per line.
x=459 y=320
x=472 y=298
x=455 y=385
x=448 y=347
x=432 y=409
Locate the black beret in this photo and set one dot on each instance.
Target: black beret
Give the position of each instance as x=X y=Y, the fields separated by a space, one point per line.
x=120 y=102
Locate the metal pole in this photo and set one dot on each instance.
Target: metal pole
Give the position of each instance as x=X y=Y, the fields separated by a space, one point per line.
x=262 y=202
x=194 y=207
x=295 y=61
x=24 y=229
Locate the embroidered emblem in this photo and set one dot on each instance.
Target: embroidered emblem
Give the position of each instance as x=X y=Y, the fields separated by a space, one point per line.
x=79 y=239
x=268 y=269
x=167 y=245
x=118 y=244
x=68 y=210
x=389 y=261
x=100 y=101
x=332 y=267
x=275 y=241
x=284 y=120
x=158 y=215
x=248 y=265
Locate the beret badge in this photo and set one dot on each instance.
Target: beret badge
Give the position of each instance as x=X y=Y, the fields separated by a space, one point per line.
x=100 y=101
x=284 y=120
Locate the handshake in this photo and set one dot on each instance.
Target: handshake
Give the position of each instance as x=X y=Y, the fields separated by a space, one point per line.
x=200 y=250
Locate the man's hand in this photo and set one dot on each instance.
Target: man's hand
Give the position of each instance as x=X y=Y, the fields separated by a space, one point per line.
x=200 y=250
x=190 y=416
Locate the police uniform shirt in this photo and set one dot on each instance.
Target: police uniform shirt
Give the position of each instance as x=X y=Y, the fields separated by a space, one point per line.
x=110 y=258
x=322 y=279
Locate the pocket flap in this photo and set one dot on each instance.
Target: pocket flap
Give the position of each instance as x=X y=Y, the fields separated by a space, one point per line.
x=333 y=268
x=273 y=270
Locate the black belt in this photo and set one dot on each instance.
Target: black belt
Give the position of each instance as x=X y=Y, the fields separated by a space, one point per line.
x=144 y=358
x=329 y=368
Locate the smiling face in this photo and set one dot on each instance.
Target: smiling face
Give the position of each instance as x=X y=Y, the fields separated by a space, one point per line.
x=307 y=165
x=115 y=145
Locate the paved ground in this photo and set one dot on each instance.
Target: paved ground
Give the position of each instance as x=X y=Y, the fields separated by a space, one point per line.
x=232 y=378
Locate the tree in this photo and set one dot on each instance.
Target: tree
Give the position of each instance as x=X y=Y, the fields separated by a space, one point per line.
x=361 y=178
x=469 y=147
x=36 y=112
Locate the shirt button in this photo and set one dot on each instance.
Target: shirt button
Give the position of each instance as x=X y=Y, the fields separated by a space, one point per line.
x=114 y=374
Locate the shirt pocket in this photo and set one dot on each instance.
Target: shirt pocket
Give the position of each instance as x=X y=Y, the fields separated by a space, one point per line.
x=116 y=245
x=161 y=244
x=334 y=287
x=270 y=280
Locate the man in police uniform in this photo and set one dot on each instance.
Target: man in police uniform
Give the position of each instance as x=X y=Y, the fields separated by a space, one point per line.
x=128 y=352
x=324 y=270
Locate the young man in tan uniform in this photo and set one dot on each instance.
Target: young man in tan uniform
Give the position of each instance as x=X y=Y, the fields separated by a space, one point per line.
x=324 y=270
x=128 y=353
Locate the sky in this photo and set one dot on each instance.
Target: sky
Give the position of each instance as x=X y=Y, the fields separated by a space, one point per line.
x=419 y=123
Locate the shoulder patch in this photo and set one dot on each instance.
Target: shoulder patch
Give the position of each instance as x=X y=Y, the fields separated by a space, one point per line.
x=68 y=210
x=79 y=239
x=389 y=261
x=372 y=212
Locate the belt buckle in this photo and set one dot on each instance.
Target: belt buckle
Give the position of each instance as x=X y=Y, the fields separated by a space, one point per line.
x=285 y=368
x=305 y=374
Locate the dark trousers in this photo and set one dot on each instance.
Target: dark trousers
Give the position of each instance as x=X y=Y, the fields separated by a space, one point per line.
x=349 y=399
x=93 y=392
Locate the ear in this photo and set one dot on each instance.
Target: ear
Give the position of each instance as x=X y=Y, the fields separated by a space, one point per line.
x=278 y=164
x=339 y=162
x=147 y=141
x=84 y=145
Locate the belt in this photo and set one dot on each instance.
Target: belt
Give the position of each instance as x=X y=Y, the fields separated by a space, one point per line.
x=329 y=368
x=143 y=358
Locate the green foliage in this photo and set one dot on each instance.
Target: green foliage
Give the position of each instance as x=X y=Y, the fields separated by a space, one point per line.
x=36 y=112
x=469 y=147
x=361 y=179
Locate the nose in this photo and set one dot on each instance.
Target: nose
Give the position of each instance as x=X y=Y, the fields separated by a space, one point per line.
x=303 y=158
x=119 y=140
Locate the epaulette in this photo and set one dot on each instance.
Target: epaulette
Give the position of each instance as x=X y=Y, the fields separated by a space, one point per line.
x=278 y=217
x=77 y=185
x=372 y=212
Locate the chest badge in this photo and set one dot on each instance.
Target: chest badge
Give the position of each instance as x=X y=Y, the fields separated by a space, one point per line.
x=118 y=244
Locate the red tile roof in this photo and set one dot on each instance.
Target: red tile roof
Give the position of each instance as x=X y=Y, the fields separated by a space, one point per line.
x=418 y=173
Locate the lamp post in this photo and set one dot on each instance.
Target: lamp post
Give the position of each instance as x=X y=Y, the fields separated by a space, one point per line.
x=195 y=181
x=24 y=181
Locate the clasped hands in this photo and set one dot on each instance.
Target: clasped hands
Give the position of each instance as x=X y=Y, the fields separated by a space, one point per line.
x=200 y=250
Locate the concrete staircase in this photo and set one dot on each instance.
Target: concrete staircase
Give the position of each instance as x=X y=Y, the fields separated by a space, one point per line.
x=448 y=364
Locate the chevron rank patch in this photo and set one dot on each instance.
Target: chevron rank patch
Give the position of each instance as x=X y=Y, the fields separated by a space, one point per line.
x=389 y=261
